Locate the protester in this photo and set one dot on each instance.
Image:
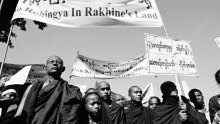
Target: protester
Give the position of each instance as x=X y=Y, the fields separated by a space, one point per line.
x=95 y=113
x=115 y=111
x=153 y=102
x=137 y=113
x=197 y=99
x=214 y=103
x=90 y=90
x=172 y=110
x=52 y=101
x=119 y=99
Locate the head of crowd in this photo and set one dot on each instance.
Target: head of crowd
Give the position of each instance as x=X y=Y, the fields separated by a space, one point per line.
x=54 y=100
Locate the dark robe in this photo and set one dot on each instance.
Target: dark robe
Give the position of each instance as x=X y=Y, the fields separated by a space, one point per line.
x=138 y=114
x=115 y=111
x=168 y=113
x=214 y=106
x=56 y=103
x=8 y=117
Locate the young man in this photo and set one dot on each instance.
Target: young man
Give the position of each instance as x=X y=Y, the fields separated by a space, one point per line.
x=52 y=101
x=153 y=102
x=115 y=111
x=136 y=113
x=214 y=103
x=95 y=112
x=197 y=99
x=119 y=99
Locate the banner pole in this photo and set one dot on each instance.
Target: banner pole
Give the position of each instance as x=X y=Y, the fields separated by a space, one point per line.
x=1 y=5
x=176 y=75
x=6 y=49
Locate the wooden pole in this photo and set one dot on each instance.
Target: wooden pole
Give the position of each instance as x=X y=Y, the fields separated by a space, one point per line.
x=6 y=49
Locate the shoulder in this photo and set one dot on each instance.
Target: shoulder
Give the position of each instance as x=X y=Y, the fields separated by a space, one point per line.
x=214 y=97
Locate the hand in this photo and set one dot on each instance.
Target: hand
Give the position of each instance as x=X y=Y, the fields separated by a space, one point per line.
x=218 y=113
x=183 y=115
x=182 y=105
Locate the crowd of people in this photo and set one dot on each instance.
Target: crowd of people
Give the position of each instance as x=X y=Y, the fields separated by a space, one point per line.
x=54 y=101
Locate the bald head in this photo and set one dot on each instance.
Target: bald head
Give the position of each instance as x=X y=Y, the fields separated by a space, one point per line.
x=103 y=89
x=119 y=99
x=135 y=94
x=54 y=66
x=54 y=56
x=132 y=88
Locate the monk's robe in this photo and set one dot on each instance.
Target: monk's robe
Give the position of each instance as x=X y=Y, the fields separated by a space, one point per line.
x=168 y=112
x=115 y=111
x=138 y=114
x=56 y=103
x=8 y=117
x=214 y=106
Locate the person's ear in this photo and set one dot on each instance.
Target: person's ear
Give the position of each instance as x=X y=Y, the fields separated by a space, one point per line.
x=63 y=68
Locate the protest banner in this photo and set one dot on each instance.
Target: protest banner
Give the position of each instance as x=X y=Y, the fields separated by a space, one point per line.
x=73 y=13
x=169 y=56
x=36 y=71
x=92 y=68
x=217 y=40
x=148 y=92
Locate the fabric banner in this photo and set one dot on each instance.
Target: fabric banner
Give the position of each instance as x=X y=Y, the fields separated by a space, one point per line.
x=148 y=92
x=82 y=13
x=92 y=68
x=37 y=70
x=169 y=56
x=217 y=40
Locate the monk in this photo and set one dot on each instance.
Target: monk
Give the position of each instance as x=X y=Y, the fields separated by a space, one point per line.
x=173 y=110
x=136 y=113
x=115 y=111
x=153 y=102
x=197 y=98
x=95 y=113
x=53 y=101
x=119 y=99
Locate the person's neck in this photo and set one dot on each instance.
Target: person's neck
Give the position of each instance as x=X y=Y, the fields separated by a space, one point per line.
x=135 y=103
x=53 y=78
x=108 y=101
x=94 y=119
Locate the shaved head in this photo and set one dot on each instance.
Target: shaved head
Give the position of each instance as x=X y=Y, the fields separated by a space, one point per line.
x=54 y=66
x=104 y=90
x=54 y=56
x=131 y=89
x=101 y=83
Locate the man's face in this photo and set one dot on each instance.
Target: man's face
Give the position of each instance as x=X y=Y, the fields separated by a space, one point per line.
x=153 y=103
x=104 y=90
x=119 y=99
x=54 y=65
x=136 y=94
x=93 y=104
x=199 y=98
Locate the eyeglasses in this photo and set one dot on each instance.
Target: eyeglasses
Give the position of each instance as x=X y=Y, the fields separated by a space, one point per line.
x=54 y=61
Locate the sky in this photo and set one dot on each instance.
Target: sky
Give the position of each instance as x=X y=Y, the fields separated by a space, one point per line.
x=197 y=21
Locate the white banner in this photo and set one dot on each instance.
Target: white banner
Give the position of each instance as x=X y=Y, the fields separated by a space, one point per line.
x=169 y=56
x=92 y=68
x=148 y=92
x=81 y=13
x=217 y=40
x=36 y=71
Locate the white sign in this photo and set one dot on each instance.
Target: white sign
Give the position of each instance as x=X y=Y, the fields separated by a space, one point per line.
x=92 y=68
x=84 y=13
x=169 y=56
